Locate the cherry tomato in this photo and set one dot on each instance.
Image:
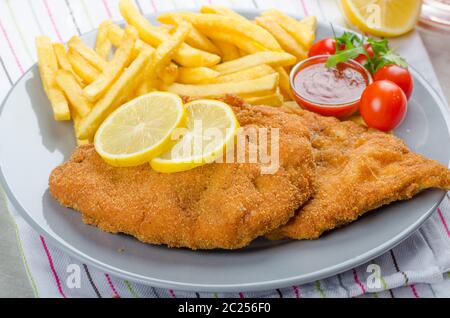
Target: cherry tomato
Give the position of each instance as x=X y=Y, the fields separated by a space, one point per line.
x=398 y=75
x=383 y=105
x=326 y=46
x=362 y=58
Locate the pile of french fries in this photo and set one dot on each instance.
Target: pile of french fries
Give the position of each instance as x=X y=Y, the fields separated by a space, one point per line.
x=207 y=54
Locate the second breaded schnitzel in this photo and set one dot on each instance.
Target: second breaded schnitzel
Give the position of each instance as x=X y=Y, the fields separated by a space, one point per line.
x=219 y=205
x=358 y=170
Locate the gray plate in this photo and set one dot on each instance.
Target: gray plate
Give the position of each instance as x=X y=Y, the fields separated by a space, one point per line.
x=32 y=144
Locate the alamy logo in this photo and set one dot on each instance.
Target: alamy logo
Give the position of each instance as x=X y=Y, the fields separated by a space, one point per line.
x=74 y=278
x=373 y=281
x=374 y=15
x=248 y=145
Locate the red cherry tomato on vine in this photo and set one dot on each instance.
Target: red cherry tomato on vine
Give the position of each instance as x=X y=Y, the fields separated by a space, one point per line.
x=326 y=46
x=398 y=75
x=362 y=58
x=383 y=105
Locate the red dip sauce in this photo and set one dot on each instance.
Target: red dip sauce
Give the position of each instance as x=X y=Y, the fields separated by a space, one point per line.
x=339 y=85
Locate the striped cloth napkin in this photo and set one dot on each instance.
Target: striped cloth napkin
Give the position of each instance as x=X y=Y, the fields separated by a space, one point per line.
x=419 y=267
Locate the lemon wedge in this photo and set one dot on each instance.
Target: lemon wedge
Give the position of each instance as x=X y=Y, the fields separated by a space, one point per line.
x=140 y=130
x=386 y=18
x=211 y=127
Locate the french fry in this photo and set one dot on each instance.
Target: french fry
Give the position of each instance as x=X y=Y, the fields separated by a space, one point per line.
x=287 y=42
x=47 y=62
x=77 y=45
x=285 y=85
x=310 y=22
x=82 y=142
x=64 y=63
x=195 y=38
x=244 y=75
x=114 y=97
x=48 y=66
x=242 y=42
x=186 y=55
x=227 y=24
x=275 y=99
x=59 y=103
x=82 y=68
x=303 y=32
x=103 y=44
x=196 y=75
x=73 y=92
x=148 y=32
x=168 y=74
x=266 y=57
x=223 y=11
x=163 y=55
x=122 y=57
x=167 y=29
x=228 y=51
x=257 y=87
x=76 y=123
x=115 y=35
x=142 y=89
x=308 y=25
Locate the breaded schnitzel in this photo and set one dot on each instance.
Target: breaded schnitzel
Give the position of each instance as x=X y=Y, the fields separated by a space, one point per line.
x=219 y=205
x=358 y=170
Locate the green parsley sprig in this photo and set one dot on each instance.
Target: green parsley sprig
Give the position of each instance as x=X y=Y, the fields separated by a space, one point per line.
x=350 y=46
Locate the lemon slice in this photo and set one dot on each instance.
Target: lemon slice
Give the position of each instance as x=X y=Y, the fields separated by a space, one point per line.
x=383 y=17
x=211 y=127
x=140 y=129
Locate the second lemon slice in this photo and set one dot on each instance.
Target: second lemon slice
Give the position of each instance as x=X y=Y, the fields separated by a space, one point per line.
x=140 y=130
x=383 y=17
x=211 y=126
